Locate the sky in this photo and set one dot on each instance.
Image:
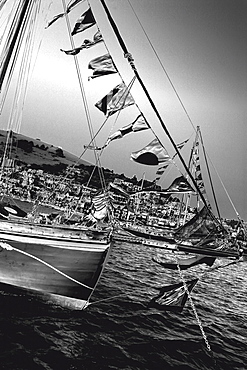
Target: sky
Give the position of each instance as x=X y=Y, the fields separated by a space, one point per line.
x=200 y=44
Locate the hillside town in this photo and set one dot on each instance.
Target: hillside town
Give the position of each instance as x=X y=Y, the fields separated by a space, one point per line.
x=64 y=192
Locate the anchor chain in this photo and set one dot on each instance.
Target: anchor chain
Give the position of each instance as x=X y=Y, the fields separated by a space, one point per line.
x=193 y=307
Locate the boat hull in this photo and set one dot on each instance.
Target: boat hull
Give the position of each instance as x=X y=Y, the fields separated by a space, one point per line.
x=63 y=268
x=149 y=233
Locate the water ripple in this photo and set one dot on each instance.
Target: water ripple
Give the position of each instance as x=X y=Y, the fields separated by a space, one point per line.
x=121 y=333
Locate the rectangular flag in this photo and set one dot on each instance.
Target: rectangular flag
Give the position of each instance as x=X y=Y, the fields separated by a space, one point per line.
x=152 y=154
x=172 y=297
x=115 y=100
x=85 y=21
x=85 y=45
x=102 y=65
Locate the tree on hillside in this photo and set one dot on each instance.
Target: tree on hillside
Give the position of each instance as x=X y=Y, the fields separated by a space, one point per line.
x=25 y=145
x=59 y=152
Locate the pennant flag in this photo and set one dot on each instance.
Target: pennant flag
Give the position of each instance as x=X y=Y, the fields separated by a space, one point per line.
x=85 y=21
x=179 y=185
x=181 y=145
x=139 y=124
x=153 y=154
x=172 y=297
x=102 y=65
x=197 y=167
x=162 y=169
x=160 y=172
x=116 y=99
x=185 y=263
x=70 y=6
x=85 y=45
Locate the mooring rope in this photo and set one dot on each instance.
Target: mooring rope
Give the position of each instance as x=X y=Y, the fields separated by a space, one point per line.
x=9 y=247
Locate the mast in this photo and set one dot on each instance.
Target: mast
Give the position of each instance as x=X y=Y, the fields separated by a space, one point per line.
x=130 y=59
x=17 y=25
x=209 y=175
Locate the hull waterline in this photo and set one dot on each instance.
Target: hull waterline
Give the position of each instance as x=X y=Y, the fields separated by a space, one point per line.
x=63 y=264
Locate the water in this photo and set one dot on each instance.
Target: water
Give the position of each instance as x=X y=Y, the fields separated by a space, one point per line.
x=122 y=333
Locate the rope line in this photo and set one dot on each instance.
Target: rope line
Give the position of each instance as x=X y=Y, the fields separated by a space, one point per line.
x=162 y=66
x=107 y=299
x=9 y=247
x=179 y=99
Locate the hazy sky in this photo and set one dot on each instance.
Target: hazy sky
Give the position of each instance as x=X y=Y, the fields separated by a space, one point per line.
x=202 y=45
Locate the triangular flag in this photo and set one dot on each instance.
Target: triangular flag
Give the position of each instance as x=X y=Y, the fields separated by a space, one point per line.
x=139 y=124
x=85 y=21
x=85 y=45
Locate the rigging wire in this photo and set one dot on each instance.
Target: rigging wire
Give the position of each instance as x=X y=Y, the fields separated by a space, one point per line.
x=7 y=51
x=210 y=177
x=14 y=40
x=182 y=105
x=162 y=66
x=23 y=77
x=92 y=135
x=130 y=59
x=238 y=215
x=97 y=159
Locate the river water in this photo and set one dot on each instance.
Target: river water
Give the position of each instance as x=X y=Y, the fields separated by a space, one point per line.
x=118 y=331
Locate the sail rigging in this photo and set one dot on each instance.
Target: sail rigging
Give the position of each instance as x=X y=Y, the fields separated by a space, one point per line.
x=74 y=240
x=131 y=62
x=58 y=243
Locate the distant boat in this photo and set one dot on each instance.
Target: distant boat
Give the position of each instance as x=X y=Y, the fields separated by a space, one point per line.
x=149 y=232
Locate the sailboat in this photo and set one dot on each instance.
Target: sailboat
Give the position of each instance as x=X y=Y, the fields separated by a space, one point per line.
x=60 y=261
x=63 y=261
